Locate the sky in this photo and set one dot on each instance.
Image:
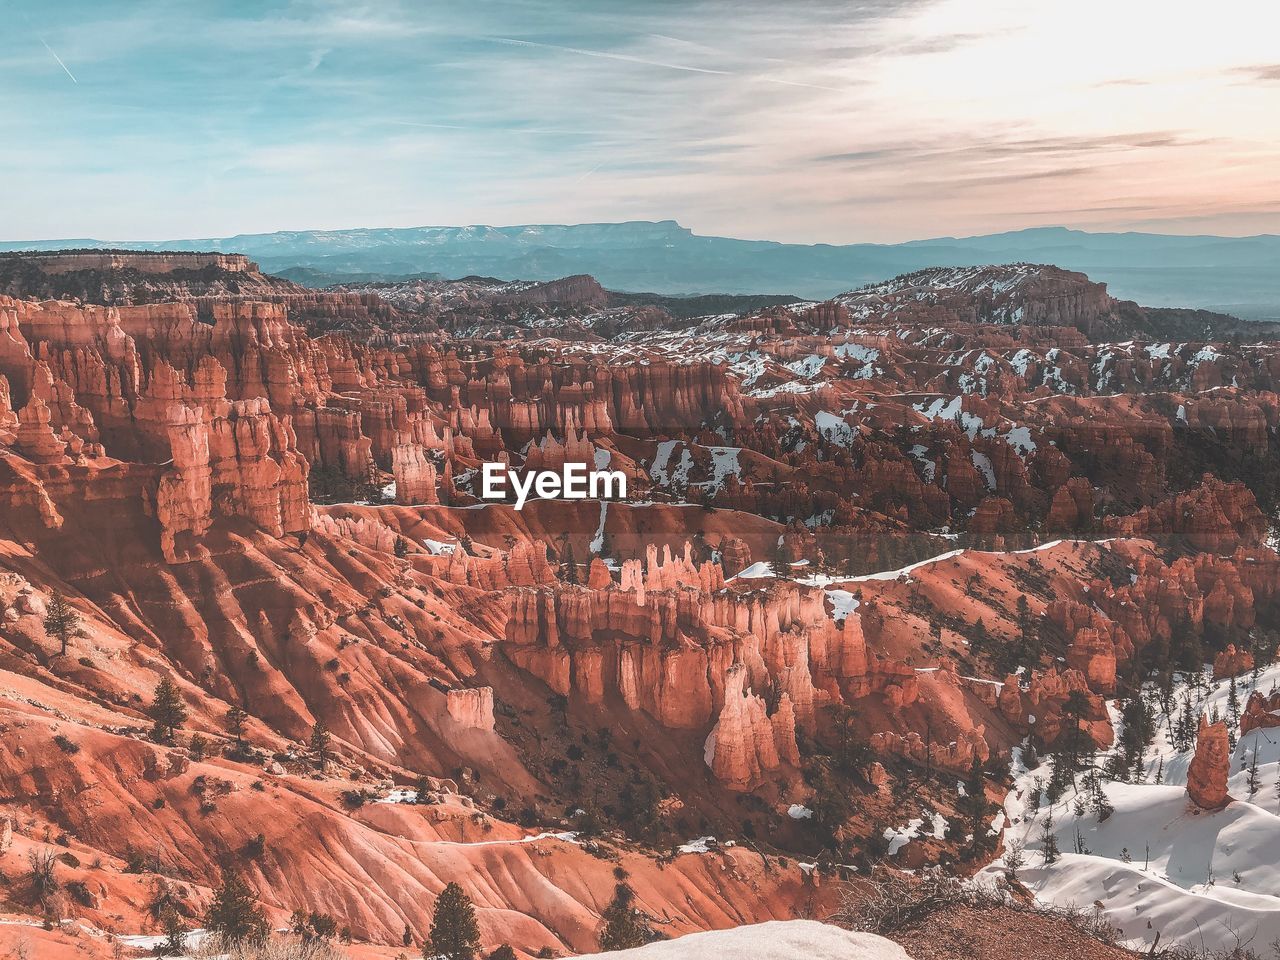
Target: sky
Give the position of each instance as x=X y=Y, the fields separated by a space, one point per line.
x=797 y=120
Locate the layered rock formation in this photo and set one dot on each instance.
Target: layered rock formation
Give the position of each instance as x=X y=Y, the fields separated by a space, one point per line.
x=839 y=566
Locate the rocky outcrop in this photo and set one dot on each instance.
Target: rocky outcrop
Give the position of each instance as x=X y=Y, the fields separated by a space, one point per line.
x=746 y=744
x=1261 y=712
x=1210 y=767
x=472 y=708
x=1231 y=662
x=1215 y=516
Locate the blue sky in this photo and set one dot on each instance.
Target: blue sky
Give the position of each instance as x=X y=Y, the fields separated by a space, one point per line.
x=809 y=120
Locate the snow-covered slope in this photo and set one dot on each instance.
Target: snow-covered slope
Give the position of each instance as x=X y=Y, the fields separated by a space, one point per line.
x=1159 y=864
x=776 y=940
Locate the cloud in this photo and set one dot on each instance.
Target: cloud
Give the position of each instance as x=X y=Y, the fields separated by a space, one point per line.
x=736 y=118
x=1266 y=73
x=997 y=148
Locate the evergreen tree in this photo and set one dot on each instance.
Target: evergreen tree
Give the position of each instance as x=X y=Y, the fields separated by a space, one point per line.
x=569 y=569
x=61 y=620
x=978 y=642
x=455 y=935
x=174 y=931
x=233 y=916
x=1252 y=781
x=1098 y=798
x=1049 y=841
x=1028 y=637
x=1074 y=709
x=319 y=744
x=974 y=804
x=236 y=718
x=1233 y=713
x=1059 y=779
x=625 y=926
x=400 y=548
x=778 y=560
x=167 y=710
x=503 y=952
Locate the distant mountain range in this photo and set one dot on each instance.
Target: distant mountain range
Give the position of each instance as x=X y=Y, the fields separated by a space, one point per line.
x=1239 y=275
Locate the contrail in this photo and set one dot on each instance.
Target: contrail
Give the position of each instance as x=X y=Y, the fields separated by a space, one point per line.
x=60 y=63
x=655 y=63
x=606 y=56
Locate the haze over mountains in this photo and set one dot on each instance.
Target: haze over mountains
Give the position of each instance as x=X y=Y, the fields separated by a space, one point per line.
x=1239 y=275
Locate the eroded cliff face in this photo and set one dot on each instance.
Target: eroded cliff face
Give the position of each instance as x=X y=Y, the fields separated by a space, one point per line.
x=836 y=569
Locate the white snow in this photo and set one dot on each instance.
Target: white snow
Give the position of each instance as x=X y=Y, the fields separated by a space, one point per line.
x=775 y=940
x=899 y=837
x=597 y=542
x=904 y=571
x=701 y=845
x=724 y=463
x=833 y=428
x=809 y=367
x=843 y=602
x=983 y=463
x=928 y=468
x=195 y=939
x=799 y=812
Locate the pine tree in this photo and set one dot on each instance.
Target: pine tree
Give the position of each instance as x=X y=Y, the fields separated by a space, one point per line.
x=569 y=569
x=778 y=563
x=625 y=926
x=975 y=805
x=1028 y=639
x=406 y=938
x=1252 y=781
x=1075 y=707
x=455 y=935
x=174 y=931
x=1049 y=841
x=233 y=916
x=1098 y=798
x=1233 y=713
x=236 y=718
x=167 y=710
x=503 y=952
x=1013 y=858
x=60 y=620
x=319 y=744
x=978 y=643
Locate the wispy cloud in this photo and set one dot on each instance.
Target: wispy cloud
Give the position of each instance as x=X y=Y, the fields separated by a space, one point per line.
x=809 y=120
x=1267 y=73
